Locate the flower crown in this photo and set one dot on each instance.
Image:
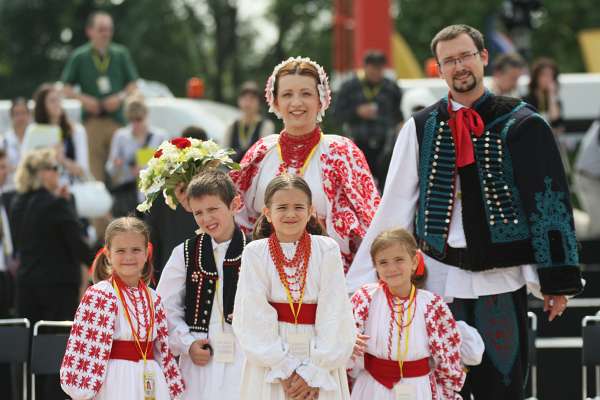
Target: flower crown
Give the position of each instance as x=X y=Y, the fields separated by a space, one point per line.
x=322 y=86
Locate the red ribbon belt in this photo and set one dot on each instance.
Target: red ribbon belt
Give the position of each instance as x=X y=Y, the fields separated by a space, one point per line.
x=127 y=350
x=387 y=372
x=307 y=316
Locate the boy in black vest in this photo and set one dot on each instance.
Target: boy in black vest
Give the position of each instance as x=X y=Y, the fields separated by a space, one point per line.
x=198 y=287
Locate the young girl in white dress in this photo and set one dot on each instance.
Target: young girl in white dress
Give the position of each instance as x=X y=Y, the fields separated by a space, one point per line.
x=118 y=347
x=414 y=346
x=292 y=315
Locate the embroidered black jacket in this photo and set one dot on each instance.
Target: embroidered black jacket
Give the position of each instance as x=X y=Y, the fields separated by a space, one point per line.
x=516 y=206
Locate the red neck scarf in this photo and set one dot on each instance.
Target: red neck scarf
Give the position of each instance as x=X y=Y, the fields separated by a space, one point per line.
x=295 y=149
x=462 y=123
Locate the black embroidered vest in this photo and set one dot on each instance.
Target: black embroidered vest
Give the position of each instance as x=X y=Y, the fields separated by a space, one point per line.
x=496 y=223
x=202 y=276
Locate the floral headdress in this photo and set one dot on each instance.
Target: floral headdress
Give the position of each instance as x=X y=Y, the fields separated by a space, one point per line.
x=322 y=86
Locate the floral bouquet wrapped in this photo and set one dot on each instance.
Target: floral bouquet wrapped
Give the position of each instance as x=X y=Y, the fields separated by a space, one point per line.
x=178 y=161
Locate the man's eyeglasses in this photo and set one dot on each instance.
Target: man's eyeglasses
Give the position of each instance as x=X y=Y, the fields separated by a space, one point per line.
x=463 y=59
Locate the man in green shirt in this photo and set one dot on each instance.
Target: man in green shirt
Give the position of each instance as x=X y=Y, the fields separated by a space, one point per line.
x=105 y=75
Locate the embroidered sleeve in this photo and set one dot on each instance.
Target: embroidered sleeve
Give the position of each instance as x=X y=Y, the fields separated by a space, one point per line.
x=444 y=346
x=361 y=300
x=544 y=193
x=351 y=191
x=84 y=364
x=244 y=180
x=398 y=204
x=171 y=289
x=335 y=332
x=163 y=354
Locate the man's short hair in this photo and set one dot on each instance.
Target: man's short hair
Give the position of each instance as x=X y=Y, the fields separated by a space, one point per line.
x=375 y=58
x=92 y=18
x=249 y=87
x=452 y=32
x=505 y=61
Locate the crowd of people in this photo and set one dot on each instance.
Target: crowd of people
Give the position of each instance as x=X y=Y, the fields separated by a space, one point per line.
x=388 y=262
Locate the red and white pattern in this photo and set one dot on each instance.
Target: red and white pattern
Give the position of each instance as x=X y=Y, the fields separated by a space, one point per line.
x=86 y=362
x=433 y=333
x=345 y=181
x=444 y=345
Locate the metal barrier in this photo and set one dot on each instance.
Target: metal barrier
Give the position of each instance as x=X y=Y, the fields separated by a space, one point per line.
x=16 y=332
x=47 y=350
x=590 y=351
x=532 y=335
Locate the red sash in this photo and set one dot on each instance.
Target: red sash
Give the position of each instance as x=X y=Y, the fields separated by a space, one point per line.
x=387 y=372
x=307 y=316
x=127 y=350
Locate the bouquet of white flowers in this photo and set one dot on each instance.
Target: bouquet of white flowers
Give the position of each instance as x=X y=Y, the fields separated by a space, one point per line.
x=178 y=161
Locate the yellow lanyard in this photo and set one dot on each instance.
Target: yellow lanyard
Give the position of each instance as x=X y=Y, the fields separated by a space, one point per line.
x=400 y=353
x=150 y=327
x=370 y=93
x=101 y=65
x=245 y=134
x=305 y=164
x=220 y=307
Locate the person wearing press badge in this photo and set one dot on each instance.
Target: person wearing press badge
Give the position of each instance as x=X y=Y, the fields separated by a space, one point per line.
x=292 y=315
x=106 y=75
x=406 y=325
x=198 y=285
x=130 y=149
x=118 y=346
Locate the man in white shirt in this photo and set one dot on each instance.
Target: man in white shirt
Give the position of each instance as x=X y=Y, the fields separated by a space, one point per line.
x=479 y=180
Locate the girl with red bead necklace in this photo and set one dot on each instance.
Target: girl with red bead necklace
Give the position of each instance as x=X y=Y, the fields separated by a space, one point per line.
x=118 y=347
x=292 y=315
x=414 y=347
x=344 y=195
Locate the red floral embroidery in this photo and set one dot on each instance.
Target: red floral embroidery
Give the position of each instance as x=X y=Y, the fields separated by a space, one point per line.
x=347 y=183
x=361 y=302
x=444 y=346
x=82 y=372
x=181 y=143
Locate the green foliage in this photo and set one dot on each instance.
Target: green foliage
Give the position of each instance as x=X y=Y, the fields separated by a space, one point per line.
x=418 y=21
x=554 y=35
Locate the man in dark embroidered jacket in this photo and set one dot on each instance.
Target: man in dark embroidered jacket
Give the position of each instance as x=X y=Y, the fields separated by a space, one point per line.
x=480 y=180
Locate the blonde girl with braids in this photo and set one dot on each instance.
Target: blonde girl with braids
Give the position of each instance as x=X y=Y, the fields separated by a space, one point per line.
x=118 y=347
x=292 y=315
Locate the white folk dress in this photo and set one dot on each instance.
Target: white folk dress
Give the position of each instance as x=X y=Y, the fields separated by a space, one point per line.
x=214 y=380
x=87 y=372
x=263 y=338
x=433 y=334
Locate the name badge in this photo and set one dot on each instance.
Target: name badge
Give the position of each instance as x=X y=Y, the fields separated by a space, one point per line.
x=103 y=84
x=299 y=344
x=149 y=386
x=404 y=391
x=224 y=346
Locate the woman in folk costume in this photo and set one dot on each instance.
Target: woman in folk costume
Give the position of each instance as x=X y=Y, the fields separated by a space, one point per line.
x=344 y=195
x=292 y=315
x=414 y=346
x=118 y=347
